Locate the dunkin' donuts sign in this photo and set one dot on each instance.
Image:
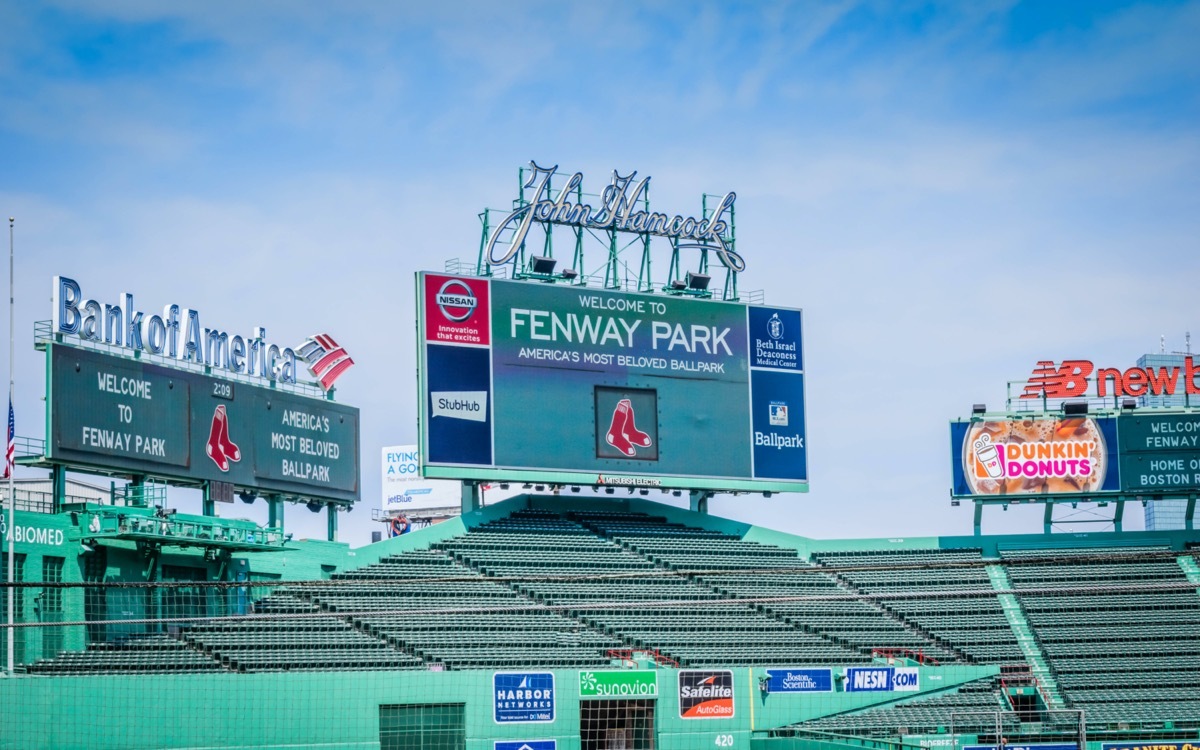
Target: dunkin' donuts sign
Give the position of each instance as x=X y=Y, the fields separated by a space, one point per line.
x=1037 y=455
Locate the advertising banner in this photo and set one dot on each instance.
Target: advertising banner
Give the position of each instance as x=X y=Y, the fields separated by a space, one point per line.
x=112 y=412
x=625 y=683
x=1160 y=452
x=404 y=488
x=799 y=680
x=523 y=697
x=705 y=694
x=882 y=679
x=565 y=384
x=525 y=745
x=1151 y=745
x=1035 y=456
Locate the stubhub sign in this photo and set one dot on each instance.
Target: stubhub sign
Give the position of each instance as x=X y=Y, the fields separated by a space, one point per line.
x=882 y=679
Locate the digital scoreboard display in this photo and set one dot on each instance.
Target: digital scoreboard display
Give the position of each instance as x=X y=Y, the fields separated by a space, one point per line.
x=118 y=413
x=570 y=385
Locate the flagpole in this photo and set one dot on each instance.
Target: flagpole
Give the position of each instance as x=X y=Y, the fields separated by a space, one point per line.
x=12 y=498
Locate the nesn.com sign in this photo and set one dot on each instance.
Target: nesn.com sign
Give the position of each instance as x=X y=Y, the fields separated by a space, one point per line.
x=882 y=679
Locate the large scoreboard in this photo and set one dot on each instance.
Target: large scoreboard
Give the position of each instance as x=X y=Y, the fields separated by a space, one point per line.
x=116 y=413
x=569 y=385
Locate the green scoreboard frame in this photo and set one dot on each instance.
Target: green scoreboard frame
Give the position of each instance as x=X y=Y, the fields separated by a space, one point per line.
x=122 y=415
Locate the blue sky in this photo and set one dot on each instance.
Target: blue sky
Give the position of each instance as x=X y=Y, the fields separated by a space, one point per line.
x=951 y=191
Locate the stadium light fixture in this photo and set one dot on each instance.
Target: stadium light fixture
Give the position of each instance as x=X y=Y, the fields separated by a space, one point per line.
x=955 y=503
x=574 y=488
x=540 y=488
x=698 y=281
x=527 y=486
x=1075 y=408
x=644 y=491
x=568 y=274
x=978 y=410
x=543 y=265
x=676 y=493
x=608 y=490
x=1129 y=403
x=677 y=285
x=247 y=497
x=314 y=506
x=767 y=494
x=504 y=485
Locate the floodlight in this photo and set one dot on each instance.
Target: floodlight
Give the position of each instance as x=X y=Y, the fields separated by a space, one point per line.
x=527 y=486
x=504 y=485
x=313 y=505
x=955 y=503
x=676 y=493
x=698 y=281
x=542 y=264
x=1129 y=403
x=247 y=497
x=766 y=494
x=540 y=487
x=979 y=409
x=608 y=490
x=574 y=488
x=678 y=285
x=644 y=492
x=568 y=274
x=1075 y=408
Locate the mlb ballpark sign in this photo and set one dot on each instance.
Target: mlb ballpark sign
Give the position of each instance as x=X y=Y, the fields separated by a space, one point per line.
x=523 y=697
x=570 y=385
x=404 y=488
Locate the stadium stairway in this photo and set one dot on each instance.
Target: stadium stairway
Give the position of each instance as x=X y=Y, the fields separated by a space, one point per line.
x=1190 y=569
x=1034 y=656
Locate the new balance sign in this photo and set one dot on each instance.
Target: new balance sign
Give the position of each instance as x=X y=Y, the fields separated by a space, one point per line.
x=1070 y=380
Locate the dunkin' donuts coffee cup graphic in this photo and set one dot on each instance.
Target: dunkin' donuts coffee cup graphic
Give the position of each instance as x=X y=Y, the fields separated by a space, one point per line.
x=219 y=447
x=1035 y=456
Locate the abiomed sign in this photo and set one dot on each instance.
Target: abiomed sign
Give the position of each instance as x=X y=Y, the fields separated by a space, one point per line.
x=570 y=385
x=618 y=684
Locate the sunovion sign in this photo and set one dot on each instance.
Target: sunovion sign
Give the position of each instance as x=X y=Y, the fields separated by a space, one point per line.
x=568 y=385
x=176 y=333
x=617 y=211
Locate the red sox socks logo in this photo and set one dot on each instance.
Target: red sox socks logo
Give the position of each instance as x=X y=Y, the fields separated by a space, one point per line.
x=220 y=448
x=623 y=434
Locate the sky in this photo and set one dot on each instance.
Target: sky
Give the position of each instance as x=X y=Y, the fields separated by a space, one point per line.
x=950 y=191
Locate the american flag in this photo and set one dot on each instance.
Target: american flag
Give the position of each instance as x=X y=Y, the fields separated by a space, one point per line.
x=326 y=359
x=11 y=446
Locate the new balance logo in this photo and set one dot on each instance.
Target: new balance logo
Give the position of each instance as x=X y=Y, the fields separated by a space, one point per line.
x=1067 y=381
x=1070 y=380
x=326 y=359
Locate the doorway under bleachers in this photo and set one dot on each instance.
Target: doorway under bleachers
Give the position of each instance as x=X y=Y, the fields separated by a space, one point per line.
x=616 y=725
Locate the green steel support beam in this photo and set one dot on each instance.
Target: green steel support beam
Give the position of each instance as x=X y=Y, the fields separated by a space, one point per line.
x=978 y=518
x=331 y=521
x=1119 y=515
x=275 y=512
x=1048 y=519
x=699 y=501
x=209 y=506
x=58 y=485
x=472 y=497
x=1190 y=513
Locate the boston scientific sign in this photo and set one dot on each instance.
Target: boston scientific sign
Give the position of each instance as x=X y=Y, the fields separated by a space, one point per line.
x=617 y=212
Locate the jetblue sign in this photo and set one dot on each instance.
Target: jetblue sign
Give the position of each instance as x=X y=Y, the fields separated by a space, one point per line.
x=523 y=697
x=799 y=680
x=882 y=679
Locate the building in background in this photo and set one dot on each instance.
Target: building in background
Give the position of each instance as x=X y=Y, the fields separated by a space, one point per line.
x=1162 y=515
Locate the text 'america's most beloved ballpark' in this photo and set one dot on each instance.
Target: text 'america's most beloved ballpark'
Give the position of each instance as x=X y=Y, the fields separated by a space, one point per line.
x=577 y=385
